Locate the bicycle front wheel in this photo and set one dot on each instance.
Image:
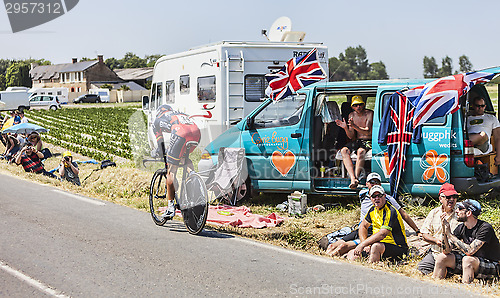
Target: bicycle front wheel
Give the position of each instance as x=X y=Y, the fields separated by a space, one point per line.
x=158 y=201
x=195 y=209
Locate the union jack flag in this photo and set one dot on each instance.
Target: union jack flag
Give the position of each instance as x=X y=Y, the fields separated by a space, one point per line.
x=297 y=73
x=397 y=126
x=440 y=97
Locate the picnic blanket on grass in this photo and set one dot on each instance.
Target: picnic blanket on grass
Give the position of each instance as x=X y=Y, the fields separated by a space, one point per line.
x=241 y=217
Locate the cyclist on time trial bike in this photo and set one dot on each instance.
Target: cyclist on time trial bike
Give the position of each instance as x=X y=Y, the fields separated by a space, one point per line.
x=182 y=130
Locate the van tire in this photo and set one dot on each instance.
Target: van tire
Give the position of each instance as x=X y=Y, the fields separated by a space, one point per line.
x=244 y=191
x=53 y=108
x=21 y=109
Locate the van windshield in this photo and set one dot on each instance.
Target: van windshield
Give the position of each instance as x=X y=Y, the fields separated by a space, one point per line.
x=284 y=112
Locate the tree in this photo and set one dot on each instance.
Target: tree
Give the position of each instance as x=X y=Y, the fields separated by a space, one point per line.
x=378 y=71
x=151 y=59
x=107 y=86
x=430 y=67
x=87 y=59
x=446 y=67
x=131 y=60
x=124 y=88
x=112 y=63
x=464 y=63
x=353 y=65
x=18 y=74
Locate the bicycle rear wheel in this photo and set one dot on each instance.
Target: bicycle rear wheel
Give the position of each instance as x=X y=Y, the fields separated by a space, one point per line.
x=195 y=204
x=158 y=201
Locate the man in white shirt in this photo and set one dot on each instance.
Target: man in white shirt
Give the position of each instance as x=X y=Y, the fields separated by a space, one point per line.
x=481 y=127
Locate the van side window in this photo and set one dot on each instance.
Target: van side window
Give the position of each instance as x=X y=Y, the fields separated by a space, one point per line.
x=285 y=112
x=206 y=89
x=170 y=91
x=184 y=84
x=435 y=121
x=159 y=93
x=153 y=96
x=255 y=87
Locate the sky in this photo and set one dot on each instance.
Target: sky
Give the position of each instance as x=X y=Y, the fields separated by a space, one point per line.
x=398 y=33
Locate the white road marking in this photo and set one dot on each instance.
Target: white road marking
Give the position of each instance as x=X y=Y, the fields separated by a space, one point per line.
x=83 y=199
x=288 y=251
x=32 y=282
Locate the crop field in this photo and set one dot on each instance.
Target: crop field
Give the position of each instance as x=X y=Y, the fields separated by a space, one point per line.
x=99 y=133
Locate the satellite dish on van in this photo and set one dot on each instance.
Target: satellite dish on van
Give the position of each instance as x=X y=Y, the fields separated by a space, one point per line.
x=279 y=27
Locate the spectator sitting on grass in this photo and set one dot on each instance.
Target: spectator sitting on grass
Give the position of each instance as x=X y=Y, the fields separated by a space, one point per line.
x=68 y=169
x=348 y=242
x=30 y=159
x=17 y=118
x=389 y=237
x=432 y=228
x=472 y=249
x=35 y=140
x=12 y=147
x=23 y=119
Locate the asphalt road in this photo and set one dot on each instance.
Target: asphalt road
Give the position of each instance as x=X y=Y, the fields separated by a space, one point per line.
x=54 y=243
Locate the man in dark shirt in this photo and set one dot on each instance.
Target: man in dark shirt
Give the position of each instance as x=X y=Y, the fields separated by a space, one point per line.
x=476 y=250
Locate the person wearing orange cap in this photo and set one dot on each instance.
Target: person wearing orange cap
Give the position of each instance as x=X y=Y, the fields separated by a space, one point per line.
x=359 y=131
x=432 y=228
x=68 y=169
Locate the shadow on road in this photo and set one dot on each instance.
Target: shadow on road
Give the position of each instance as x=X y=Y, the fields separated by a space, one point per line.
x=177 y=226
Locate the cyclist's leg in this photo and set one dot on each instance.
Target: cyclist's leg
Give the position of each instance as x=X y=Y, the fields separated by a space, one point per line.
x=172 y=170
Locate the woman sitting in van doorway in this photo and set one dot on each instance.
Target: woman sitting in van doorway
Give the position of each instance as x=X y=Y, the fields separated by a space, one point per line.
x=482 y=126
x=359 y=131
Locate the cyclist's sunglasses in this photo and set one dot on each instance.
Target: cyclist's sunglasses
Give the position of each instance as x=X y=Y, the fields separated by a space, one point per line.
x=358 y=104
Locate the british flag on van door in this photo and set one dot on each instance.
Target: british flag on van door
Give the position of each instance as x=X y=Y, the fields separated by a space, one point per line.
x=440 y=97
x=297 y=73
x=396 y=130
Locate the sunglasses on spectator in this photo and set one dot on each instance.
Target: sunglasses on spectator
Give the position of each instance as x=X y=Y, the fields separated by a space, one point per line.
x=480 y=106
x=377 y=195
x=461 y=208
x=454 y=197
x=357 y=104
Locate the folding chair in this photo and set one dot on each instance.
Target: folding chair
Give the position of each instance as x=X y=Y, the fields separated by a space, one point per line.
x=229 y=175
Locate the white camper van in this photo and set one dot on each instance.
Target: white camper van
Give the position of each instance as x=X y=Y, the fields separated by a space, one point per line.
x=103 y=93
x=14 y=100
x=219 y=84
x=61 y=93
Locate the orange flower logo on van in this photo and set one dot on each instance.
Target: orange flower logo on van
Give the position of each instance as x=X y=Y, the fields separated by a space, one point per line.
x=434 y=166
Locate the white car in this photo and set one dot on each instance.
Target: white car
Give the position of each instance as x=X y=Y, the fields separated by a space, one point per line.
x=45 y=101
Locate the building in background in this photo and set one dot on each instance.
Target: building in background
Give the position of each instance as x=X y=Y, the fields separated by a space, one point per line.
x=76 y=76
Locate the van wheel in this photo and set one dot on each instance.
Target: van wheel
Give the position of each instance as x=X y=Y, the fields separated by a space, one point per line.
x=53 y=108
x=21 y=109
x=243 y=192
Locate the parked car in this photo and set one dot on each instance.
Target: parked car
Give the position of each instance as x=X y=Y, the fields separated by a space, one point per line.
x=87 y=98
x=45 y=101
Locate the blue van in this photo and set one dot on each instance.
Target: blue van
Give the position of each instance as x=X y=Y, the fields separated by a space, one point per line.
x=294 y=144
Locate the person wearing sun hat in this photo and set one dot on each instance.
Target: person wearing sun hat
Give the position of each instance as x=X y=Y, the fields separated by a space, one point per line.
x=68 y=169
x=472 y=249
x=432 y=228
x=359 y=130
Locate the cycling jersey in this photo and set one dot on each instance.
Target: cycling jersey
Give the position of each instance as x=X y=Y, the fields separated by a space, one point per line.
x=182 y=130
